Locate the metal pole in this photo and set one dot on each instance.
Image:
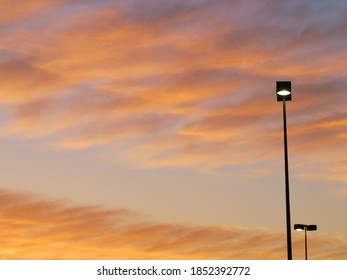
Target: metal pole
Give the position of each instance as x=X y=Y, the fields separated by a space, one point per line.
x=305 y=242
x=289 y=240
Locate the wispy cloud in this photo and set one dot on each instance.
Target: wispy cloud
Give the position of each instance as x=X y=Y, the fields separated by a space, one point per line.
x=37 y=228
x=184 y=82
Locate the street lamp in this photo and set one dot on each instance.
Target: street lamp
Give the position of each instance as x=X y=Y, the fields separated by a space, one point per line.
x=284 y=93
x=300 y=227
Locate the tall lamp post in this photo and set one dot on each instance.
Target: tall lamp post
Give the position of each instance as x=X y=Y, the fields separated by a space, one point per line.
x=284 y=93
x=300 y=227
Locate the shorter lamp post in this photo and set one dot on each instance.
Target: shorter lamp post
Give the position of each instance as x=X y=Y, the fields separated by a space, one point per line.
x=300 y=227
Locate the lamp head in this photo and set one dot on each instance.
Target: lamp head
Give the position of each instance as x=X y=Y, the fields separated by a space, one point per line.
x=311 y=227
x=299 y=227
x=284 y=90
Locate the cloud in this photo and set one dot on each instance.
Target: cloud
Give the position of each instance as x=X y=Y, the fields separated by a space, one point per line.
x=24 y=11
x=176 y=82
x=23 y=81
x=37 y=228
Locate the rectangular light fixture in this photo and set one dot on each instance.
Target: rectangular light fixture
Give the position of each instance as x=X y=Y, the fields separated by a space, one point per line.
x=284 y=90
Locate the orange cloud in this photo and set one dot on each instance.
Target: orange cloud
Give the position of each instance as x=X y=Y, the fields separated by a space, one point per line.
x=22 y=81
x=24 y=11
x=176 y=88
x=34 y=228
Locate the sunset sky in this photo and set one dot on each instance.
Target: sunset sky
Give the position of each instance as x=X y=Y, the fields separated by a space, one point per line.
x=150 y=129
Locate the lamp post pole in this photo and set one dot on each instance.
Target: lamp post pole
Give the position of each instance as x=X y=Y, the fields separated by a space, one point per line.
x=289 y=239
x=305 y=242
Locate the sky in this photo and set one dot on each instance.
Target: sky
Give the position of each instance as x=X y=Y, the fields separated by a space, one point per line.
x=151 y=129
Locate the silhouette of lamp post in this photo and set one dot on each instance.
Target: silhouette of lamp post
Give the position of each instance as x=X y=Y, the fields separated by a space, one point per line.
x=284 y=93
x=300 y=227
